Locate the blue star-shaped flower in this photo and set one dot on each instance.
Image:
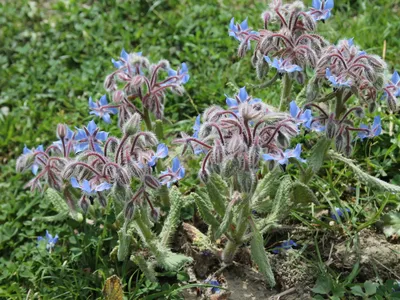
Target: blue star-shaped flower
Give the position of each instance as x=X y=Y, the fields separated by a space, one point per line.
x=90 y=138
x=215 y=289
x=162 y=152
x=102 y=109
x=241 y=31
x=340 y=212
x=124 y=59
x=321 y=9
x=241 y=97
x=393 y=85
x=283 y=157
x=299 y=116
x=374 y=130
x=336 y=81
x=50 y=240
x=88 y=188
x=171 y=175
x=282 y=65
x=235 y=30
x=182 y=73
x=286 y=245
x=35 y=166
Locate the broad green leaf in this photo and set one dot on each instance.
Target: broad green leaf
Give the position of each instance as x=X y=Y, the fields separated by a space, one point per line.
x=391 y=224
x=260 y=256
x=323 y=285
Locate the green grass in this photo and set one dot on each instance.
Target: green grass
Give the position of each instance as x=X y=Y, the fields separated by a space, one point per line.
x=55 y=54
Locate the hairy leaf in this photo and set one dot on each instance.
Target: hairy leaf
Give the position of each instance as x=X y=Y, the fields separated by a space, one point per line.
x=260 y=257
x=391 y=224
x=318 y=152
x=369 y=180
x=217 y=191
x=205 y=209
x=226 y=221
x=303 y=194
x=173 y=219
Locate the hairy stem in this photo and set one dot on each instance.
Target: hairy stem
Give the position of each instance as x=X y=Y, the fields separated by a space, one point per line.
x=229 y=252
x=339 y=105
x=285 y=93
x=231 y=246
x=146 y=118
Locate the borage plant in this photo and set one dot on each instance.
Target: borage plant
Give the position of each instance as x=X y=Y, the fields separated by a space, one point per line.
x=243 y=200
x=87 y=168
x=340 y=81
x=245 y=147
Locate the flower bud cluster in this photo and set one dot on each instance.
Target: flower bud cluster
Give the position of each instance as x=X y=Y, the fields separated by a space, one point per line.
x=341 y=129
x=142 y=81
x=352 y=71
x=97 y=164
x=287 y=42
x=234 y=139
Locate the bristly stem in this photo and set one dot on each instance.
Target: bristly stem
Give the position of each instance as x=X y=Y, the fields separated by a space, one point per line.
x=285 y=93
x=242 y=225
x=339 y=106
x=146 y=118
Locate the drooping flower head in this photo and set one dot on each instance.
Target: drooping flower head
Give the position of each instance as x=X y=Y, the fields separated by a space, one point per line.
x=373 y=130
x=283 y=65
x=241 y=97
x=171 y=175
x=102 y=109
x=35 y=165
x=162 y=152
x=90 y=138
x=286 y=245
x=321 y=9
x=88 y=188
x=282 y=157
x=144 y=82
x=391 y=91
x=124 y=59
x=50 y=240
x=234 y=139
x=301 y=117
x=182 y=75
x=338 y=81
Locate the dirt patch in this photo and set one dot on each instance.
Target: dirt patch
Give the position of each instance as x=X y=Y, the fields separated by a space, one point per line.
x=378 y=257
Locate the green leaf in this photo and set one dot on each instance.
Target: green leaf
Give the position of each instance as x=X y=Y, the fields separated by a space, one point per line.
x=124 y=244
x=144 y=267
x=266 y=187
x=369 y=180
x=217 y=191
x=318 y=152
x=226 y=221
x=357 y=291
x=173 y=219
x=391 y=224
x=61 y=207
x=282 y=198
x=260 y=257
x=323 y=285
x=370 y=287
x=205 y=209
x=303 y=194
x=58 y=202
x=171 y=261
x=183 y=276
